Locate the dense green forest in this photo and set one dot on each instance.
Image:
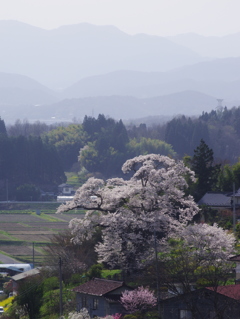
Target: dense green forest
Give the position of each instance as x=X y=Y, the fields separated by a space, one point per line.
x=38 y=154
x=28 y=161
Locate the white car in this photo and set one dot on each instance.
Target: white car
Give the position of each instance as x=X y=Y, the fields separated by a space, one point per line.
x=1 y=310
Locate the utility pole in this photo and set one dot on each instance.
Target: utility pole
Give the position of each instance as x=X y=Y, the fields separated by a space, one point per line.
x=7 y=189
x=157 y=274
x=60 y=287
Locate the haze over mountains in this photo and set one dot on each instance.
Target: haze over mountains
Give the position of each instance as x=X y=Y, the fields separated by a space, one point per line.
x=84 y=69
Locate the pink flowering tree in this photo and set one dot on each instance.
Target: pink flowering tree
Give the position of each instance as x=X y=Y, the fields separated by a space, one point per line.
x=200 y=256
x=140 y=299
x=134 y=215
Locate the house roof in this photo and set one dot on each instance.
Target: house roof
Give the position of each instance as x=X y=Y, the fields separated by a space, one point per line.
x=235 y=258
x=25 y=274
x=99 y=287
x=65 y=185
x=216 y=199
x=231 y=291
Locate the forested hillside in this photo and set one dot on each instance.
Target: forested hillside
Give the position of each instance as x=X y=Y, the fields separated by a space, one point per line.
x=27 y=161
x=101 y=145
x=39 y=154
x=219 y=129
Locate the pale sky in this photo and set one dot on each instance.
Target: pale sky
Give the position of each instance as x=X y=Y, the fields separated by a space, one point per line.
x=156 y=17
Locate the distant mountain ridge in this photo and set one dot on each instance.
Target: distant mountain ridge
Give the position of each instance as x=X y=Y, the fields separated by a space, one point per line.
x=118 y=107
x=100 y=69
x=219 y=78
x=60 y=57
x=18 y=89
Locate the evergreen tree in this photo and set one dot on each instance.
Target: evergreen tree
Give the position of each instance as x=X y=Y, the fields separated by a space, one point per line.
x=184 y=134
x=206 y=172
x=2 y=127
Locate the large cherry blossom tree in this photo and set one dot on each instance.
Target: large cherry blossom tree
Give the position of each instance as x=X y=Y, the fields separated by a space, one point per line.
x=134 y=215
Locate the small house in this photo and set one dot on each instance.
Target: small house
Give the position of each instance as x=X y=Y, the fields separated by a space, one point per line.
x=208 y=303
x=101 y=297
x=236 y=259
x=222 y=202
x=217 y=200
x=65 y=190
x=23 y=276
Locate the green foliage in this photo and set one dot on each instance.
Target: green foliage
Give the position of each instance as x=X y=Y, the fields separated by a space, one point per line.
x=67 y=140
x=29 y=296
x=236 y=174
x=106 y=150
x=151 y=315
x=225 y=178
x=50 y=302
x=109 y=146
x=229 y=175
x=148 y=146
x=28 y=161
x=76 y=279
x=49 y=284
x=27 y=192
x=111 y=273
x=73 y=179
x=224 y=132
x=135 y=315
x=207 y=214
x=184 y=134
x=13 y=311
x=95 y=271
x=238 y=231
x=226 y=223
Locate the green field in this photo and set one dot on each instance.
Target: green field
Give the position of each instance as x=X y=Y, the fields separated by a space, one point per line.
x=19 y=229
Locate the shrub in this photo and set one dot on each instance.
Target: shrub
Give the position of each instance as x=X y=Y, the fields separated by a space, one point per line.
x=139 y=299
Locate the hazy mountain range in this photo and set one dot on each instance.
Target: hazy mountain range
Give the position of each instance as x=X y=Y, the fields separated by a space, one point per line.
x=85 y=69
x=215 y=47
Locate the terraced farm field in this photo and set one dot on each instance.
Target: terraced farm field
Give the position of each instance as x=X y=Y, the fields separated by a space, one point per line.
x=19 y=230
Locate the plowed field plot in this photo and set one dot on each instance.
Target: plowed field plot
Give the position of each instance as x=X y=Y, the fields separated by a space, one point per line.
x=49 y=225
x=19 y=250
x=19 y=218
x=66 y=217
x=19 y=231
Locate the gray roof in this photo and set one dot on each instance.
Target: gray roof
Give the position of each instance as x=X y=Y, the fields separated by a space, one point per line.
x=99 y=287
x=25 y=274
x=216 y=199
x=65 y=185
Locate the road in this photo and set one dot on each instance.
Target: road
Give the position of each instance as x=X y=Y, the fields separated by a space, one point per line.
x=8 y=260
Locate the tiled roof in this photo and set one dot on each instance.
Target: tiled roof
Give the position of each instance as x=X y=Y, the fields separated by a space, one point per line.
x=98 y=287
x=231 y=291
x=216 y=200
x=235 y=258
